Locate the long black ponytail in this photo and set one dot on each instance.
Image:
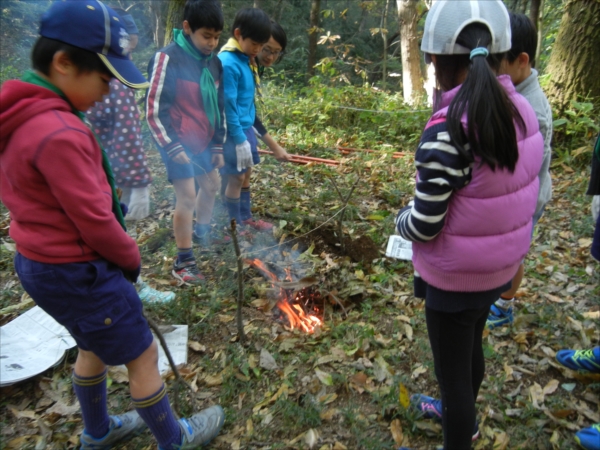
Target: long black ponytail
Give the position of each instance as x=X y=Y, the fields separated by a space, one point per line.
x=491 y=116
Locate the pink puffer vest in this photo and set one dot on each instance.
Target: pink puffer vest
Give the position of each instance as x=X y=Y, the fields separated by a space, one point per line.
x=488 y=226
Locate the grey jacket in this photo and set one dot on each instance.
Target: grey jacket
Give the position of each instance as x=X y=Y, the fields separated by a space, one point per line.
x=531 y=90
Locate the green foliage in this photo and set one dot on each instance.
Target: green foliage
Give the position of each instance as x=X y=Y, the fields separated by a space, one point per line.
x=574 y=132
x=321 y=115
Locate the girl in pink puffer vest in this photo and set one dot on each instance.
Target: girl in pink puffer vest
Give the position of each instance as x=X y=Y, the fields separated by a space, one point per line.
x=476 y=192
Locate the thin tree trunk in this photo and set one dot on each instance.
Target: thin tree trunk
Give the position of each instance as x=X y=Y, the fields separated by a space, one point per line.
x=174 y=19
x=409 y=46
x=575 y=59
x=384 y=32
x=258 y=3
x=156 y=13
x=278 y=11
x=536 y=15
x=315 y=10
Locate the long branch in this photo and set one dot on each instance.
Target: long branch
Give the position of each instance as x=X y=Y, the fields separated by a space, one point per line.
x=240 y=299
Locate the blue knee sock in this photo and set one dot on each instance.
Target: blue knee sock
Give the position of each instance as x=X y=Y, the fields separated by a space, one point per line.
x=185 y=254
x=91 y=393
x=233 y=208
x=245 y=207
x=158 y=415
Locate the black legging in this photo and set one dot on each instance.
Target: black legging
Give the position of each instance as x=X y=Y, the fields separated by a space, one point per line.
x=456 y=343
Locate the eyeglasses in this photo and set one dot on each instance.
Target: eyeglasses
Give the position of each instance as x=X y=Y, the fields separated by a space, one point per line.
x=268 y=52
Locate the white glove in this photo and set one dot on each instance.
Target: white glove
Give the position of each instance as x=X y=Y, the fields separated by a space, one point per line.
x=139 y=204
x=243 y=153
x=595 y=207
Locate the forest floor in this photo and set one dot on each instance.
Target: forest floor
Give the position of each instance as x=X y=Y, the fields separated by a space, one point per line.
x=345 y=385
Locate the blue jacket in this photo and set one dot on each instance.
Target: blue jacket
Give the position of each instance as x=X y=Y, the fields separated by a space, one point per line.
x=238 y=82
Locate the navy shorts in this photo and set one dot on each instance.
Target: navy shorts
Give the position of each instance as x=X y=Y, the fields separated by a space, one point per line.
x=94 y=302
x=230 y=167
x=201 y=165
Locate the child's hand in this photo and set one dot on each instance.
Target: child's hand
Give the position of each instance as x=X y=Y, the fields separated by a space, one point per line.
x=217 y=160
x=243 y=153
x=280 y=154
x=181 y=158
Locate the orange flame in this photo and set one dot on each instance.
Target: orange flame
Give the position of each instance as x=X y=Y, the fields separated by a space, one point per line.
x=296 y=316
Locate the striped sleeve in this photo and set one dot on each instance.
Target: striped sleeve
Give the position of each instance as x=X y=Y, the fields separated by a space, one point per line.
x=161 y=96
x=440 y=170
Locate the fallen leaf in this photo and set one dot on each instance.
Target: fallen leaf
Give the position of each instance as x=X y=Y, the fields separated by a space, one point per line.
x=550 y=387
x=501 y=440
x=267 y=361
x=62 y=409
x=418 y=371
x=382 y=369
x=197 y=346
x=324 y=377
x=327 y=398
x=311 y=437
x=329 y=414
x=403 y=396
x=396 y=429
x=212 y=380
x=536 y=395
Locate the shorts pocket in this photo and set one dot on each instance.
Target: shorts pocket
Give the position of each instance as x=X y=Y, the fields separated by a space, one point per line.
x=107 y=316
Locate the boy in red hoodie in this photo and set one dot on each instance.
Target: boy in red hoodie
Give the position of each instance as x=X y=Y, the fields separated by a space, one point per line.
x=74 y=257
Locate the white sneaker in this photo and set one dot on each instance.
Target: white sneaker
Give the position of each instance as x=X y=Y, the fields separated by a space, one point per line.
x=201 y=428
x=150 y=295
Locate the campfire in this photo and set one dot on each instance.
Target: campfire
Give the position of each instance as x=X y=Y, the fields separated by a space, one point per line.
x=299 y=303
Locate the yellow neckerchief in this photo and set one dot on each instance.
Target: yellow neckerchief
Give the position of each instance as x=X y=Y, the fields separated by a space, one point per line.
x=233 y=45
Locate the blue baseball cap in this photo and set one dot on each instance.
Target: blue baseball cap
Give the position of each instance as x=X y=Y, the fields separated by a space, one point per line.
x=93 y=26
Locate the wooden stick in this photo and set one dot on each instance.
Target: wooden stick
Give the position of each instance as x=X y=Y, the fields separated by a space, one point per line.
x=178 y=378
x=240 y=267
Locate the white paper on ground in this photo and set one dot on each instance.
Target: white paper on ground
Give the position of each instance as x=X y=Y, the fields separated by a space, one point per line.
x=176 y=342
x=399 y=248
x=31 y=344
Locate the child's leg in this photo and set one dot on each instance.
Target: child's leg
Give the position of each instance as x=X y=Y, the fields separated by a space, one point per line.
x=89 y=384
x=459 y=368
x=245 y=203
x=232 y=196
x=205 y=200
x=150 y=398
x=185 y=194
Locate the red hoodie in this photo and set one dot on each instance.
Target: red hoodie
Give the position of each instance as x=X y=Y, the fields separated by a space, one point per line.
x=53 y=184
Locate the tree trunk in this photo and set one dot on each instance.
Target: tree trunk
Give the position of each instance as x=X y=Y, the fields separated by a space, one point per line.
x=574 y=65
x=278 y=10
x=315 y=10
x=409 y=47
x=174 y=19
x=156 y=13
x=258 y=3
x=536 y=15
x=384 y=33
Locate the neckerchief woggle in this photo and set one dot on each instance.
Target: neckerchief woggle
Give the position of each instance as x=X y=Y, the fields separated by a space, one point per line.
x=33 y=78
x=207 y=82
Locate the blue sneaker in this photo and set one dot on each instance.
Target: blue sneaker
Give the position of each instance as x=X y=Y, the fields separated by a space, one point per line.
x=499 y=317
x=121 y=429
x=201 y=428
x=589 y=438
x=431 y=408
x=580 y=360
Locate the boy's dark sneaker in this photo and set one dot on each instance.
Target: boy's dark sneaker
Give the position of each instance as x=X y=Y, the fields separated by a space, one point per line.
x=499 y=317
x=201 y=428
x=580 y=360
x=187 y=271
x=258 y=225
x=431 y=408
x=121 y=429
